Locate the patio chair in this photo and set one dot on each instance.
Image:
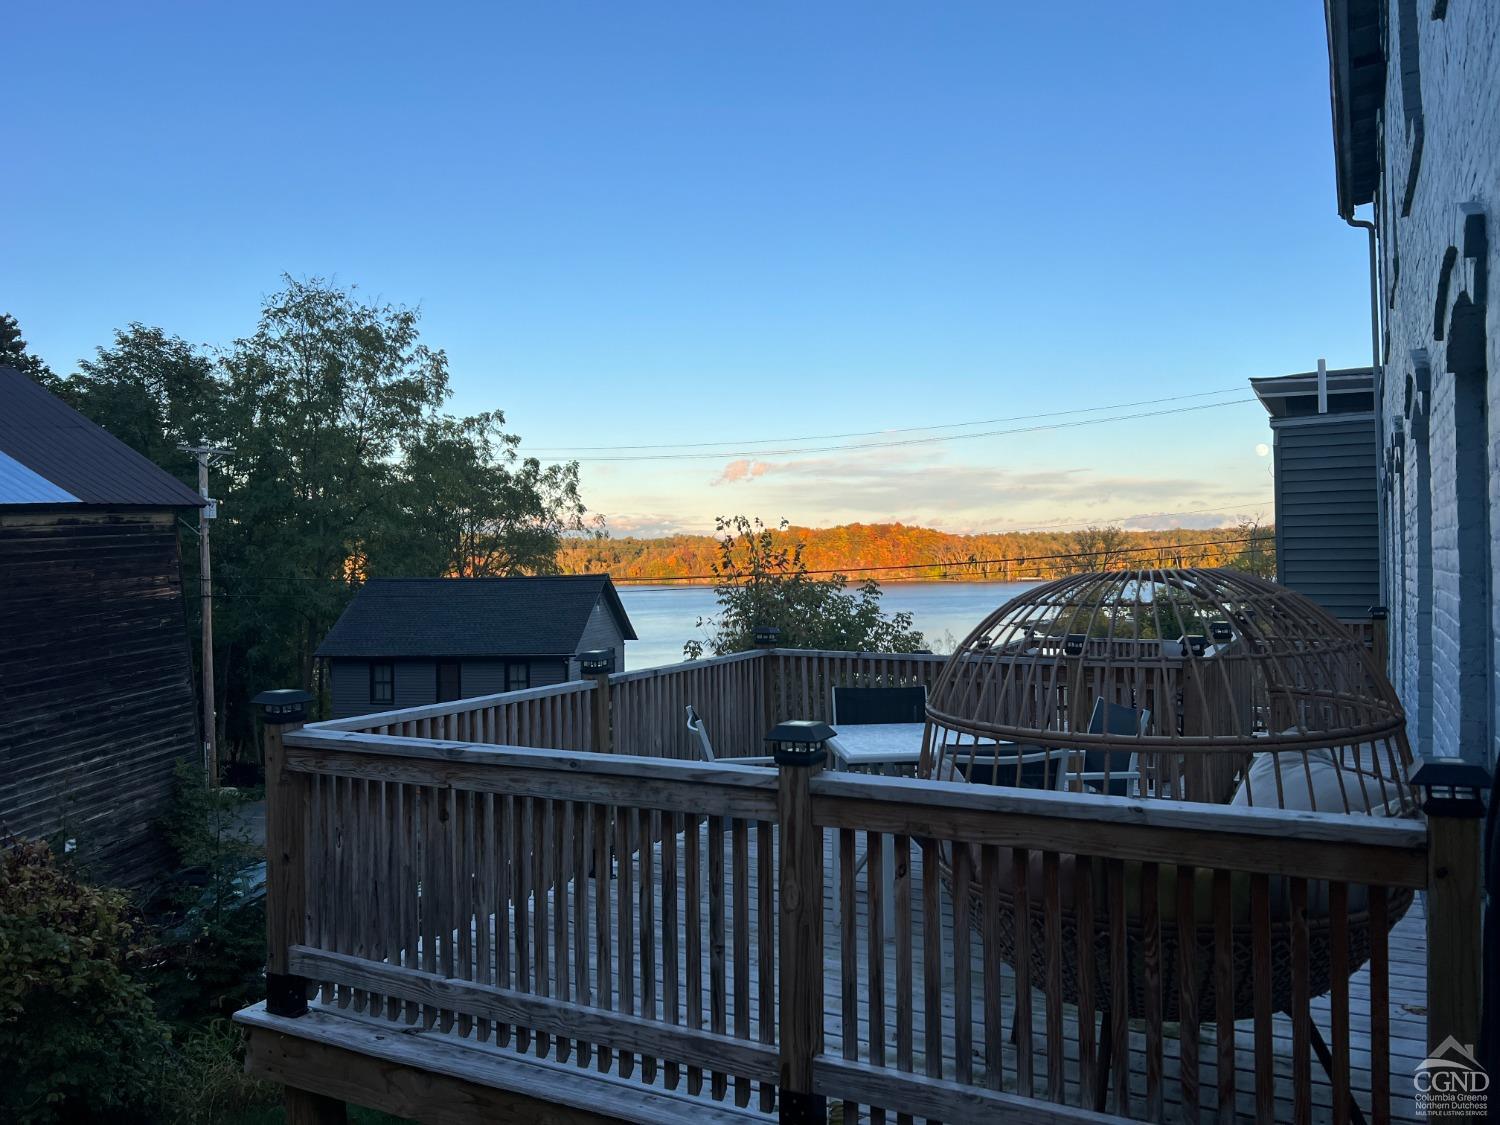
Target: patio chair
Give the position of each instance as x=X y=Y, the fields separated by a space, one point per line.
x=857 y=706
x=706 y=746
x=1116 y=772
x=1015 y=765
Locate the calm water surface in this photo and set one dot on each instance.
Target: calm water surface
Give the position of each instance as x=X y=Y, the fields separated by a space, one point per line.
x=665 y=617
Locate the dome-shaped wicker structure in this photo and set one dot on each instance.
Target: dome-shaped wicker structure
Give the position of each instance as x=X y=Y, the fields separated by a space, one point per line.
x=1188 y=684
x=1185 y=684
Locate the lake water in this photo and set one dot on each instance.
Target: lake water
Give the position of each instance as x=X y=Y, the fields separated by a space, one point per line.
x=665 y=617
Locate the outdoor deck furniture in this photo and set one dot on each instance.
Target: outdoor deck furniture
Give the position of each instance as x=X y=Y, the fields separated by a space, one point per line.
x=705 y=744
x=863 y=706
x=1285 y=695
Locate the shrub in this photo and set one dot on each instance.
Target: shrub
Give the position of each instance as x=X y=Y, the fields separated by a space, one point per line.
x=212 y=947
x=78 y=1035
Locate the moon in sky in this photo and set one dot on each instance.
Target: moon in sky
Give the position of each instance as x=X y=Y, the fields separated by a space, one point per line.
x=1262 y=449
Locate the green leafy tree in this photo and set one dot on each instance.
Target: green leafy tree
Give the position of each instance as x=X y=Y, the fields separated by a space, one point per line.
x=472 y=507
x=345 y=465
x=15 y=353
x=762 y=579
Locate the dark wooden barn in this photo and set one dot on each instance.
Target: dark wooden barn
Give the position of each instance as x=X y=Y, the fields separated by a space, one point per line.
x=96 y=687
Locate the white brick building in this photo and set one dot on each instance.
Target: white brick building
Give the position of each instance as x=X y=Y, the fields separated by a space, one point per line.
x=1416 y=110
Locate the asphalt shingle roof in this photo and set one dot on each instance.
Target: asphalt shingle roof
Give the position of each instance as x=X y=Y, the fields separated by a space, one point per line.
x=543 y=616
x=51 y=454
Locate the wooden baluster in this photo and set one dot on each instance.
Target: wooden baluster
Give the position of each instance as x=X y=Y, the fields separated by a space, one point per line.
x=903 y=926
x=484 y=886
x=875 y=953
x=716 y=980
x=765 y=861
x=1380 y=1007
x=604 y=995
x=848 y=956
x=1187 y=989
x=505 y=835
x=1224 y=994
x=541 y=888
x=625 y=920
x=1301 y=1016
x=462 y=884
x=932 y=960
x=648 y=831
x=583 y=853
x=1260 y=928
x=740 y=850
x=1151 y=986
x=1085 y=959
x=521 y=882
x=1020 y=881
x=1052 y=910
x=963 y=1011
x=1119 y=989
x=693 y=908
x=1338 y=999
x=671 y=973
x=563 y=876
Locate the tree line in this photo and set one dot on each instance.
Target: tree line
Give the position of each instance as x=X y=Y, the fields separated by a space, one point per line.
x=925 y=554
x=346 y=465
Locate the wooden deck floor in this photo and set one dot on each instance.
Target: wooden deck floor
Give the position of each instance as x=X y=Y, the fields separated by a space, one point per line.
x=1407 y=1015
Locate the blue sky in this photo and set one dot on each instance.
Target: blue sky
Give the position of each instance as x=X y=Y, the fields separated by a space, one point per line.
x=648 y=223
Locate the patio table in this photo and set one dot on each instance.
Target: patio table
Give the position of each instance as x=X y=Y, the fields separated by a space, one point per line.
x=878 y=748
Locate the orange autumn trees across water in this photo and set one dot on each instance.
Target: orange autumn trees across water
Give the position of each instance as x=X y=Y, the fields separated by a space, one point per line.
x=893 y=552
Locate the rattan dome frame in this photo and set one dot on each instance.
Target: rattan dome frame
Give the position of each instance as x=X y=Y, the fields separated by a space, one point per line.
x=1230 y=668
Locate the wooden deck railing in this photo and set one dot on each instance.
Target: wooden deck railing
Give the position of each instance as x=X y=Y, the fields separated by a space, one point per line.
x=739 y=698
x=662 y=920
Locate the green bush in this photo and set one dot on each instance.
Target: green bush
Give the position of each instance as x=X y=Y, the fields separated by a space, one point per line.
x=78 y=1035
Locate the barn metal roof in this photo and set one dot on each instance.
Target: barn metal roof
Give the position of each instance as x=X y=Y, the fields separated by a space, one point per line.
x=50 y=454
x=450 y=617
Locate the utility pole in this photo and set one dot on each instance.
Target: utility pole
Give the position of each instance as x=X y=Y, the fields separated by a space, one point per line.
x=205 y=455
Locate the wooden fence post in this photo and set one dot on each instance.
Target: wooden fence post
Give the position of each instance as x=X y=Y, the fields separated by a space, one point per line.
x=1454 y=809
x=287 y=800
x=767 y=637
x=287 y=803
x=799 y=753
x=598 y=664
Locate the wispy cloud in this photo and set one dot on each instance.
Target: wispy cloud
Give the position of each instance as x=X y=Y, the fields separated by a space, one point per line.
x=744 y=469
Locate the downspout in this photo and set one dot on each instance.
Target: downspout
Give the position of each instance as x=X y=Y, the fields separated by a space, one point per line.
x=1377 y=375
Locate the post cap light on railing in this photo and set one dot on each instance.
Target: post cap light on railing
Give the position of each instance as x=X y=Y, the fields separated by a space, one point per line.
x=283 y=705
x=596 y=661
x=1451 y=787
x=767 y=636
x=1073 y=644
x=1197 y=643
x=1221 y=632
x=799 y=742
x=1379 y=613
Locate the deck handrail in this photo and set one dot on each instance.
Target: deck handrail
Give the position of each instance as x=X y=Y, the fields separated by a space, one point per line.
x=458 y=884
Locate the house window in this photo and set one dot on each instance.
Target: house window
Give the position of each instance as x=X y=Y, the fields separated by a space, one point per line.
x=517 y=676
x=382 y=682
x=450 y=681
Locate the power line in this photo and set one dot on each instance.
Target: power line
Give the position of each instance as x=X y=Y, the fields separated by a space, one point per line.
x=877 y=433
x=860 y=448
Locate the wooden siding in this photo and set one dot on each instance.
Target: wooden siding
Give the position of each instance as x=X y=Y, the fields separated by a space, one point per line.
x=96 y=679
x=416 y=682
x=1327 y=533
x=602 y=631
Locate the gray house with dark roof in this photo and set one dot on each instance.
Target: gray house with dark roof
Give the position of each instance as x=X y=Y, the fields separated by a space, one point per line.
x=96 y=685
x=406 y=642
